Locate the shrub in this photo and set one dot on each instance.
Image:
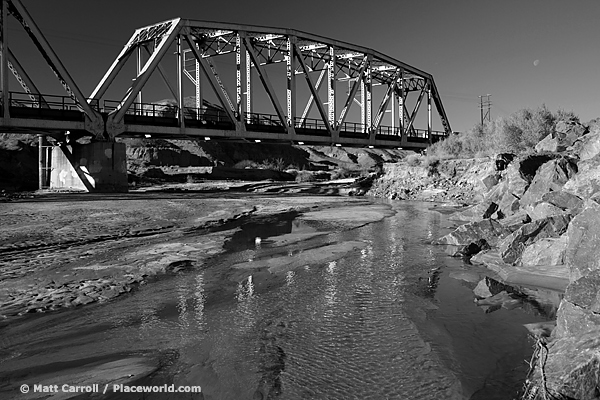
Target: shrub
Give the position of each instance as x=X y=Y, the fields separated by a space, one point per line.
x=245 y=164
x=305 y=176
x=518 y=133
x=342 y=173
x=273 y=164
x=431 y=163
x=311 y=176
x=525 y=128
x=413 y=160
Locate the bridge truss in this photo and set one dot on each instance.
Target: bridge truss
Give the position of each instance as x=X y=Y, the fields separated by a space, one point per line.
x=81 y=115
x=321 y=62
x=317 y=90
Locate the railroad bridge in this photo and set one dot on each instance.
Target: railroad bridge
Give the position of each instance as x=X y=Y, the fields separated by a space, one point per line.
x=226 y=82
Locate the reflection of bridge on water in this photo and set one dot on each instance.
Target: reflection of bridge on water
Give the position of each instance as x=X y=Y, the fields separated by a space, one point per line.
x=262 y=65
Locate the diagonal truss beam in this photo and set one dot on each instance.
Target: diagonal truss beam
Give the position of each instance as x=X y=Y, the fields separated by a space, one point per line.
x=94 y=120
x=215 y=74
x=266 y=82
x=351 y=96
x=312 y=87
x=163 y=74
x=4 y=58
x=214 y=83
x=384 y=104
x=113 y=71
x=413 y=115
x=116 y=117
x=25 y=81
x=311 y=99
x=440 y=107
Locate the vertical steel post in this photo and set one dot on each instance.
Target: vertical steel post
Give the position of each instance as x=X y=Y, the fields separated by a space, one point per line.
x=291 y=84
x=429 y=111
x=42 y=164
x=393 y=99
x=401 y=104
x=368 y=100
x=4 y=61
x=180 y=103
x=248 y=87
x=331 y=88
x=363 y=110
x=140 y=65
x=239 y=49
x=198 y=89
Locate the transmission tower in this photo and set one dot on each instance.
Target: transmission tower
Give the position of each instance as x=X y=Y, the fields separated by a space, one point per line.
x=485 y=106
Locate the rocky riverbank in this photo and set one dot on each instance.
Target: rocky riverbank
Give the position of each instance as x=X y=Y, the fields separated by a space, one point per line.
x=540 y=214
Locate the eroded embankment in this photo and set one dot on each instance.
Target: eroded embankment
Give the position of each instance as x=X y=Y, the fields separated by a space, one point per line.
x=540 y=213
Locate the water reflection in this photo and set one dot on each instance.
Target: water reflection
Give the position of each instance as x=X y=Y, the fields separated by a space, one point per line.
x=199 y=301
x=338 y=330
x=330 y=287
x=247 y=307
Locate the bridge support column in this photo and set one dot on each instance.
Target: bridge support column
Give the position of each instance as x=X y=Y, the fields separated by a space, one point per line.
x=43 y=162
x=99 y=167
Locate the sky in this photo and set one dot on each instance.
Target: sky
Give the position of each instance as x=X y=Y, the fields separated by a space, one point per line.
x=524 y=53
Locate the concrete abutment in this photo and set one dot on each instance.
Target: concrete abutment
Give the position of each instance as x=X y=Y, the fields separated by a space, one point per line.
x=99 y=167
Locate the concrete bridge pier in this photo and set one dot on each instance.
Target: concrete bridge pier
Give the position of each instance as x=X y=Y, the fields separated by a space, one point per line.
x=97 y=167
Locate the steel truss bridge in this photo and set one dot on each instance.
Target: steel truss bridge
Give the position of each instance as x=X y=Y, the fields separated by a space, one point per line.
x=308 y=82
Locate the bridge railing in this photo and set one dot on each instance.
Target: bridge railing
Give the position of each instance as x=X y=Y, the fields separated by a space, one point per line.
x=28 y=105
x=42 y=106
x=143 y=109
x=35 y=100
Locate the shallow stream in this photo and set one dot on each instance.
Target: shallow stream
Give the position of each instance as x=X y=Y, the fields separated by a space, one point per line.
x=393 y=320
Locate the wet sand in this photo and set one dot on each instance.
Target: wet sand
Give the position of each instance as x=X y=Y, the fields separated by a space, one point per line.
x=69 y=250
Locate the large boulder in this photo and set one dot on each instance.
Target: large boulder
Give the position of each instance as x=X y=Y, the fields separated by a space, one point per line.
x=547 y=251
x=490 y=181
x=472 y=248
x=516 y=182
x=586 y=182
x=512 y=247
x=588 y=146
x=551 y=176
x=489 y=229
x=572 y=320
x=543 y=209
x=573 y=368
x=549 y=144
x=508 y=205
x=479 y=211
x=564 y=200
x=585 y=292
x=567 y=132
x=515 y=221
x=583 y=251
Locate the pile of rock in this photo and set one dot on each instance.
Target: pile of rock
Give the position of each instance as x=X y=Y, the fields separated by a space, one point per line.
x=456 y=181
x=543 y=209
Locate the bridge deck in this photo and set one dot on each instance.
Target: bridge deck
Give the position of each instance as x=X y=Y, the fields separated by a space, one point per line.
x=162 y=121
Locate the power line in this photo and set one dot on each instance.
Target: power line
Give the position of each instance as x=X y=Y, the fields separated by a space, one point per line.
x=485 y=106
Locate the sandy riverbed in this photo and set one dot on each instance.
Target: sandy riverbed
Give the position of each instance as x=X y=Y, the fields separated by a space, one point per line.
x=69 y=250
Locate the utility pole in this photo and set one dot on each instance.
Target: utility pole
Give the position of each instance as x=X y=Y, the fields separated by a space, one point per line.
x=485 y=107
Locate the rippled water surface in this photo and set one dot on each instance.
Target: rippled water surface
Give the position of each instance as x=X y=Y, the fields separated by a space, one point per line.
x=390 y=321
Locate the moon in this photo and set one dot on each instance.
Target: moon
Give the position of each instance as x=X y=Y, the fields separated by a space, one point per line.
x=536 y=63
